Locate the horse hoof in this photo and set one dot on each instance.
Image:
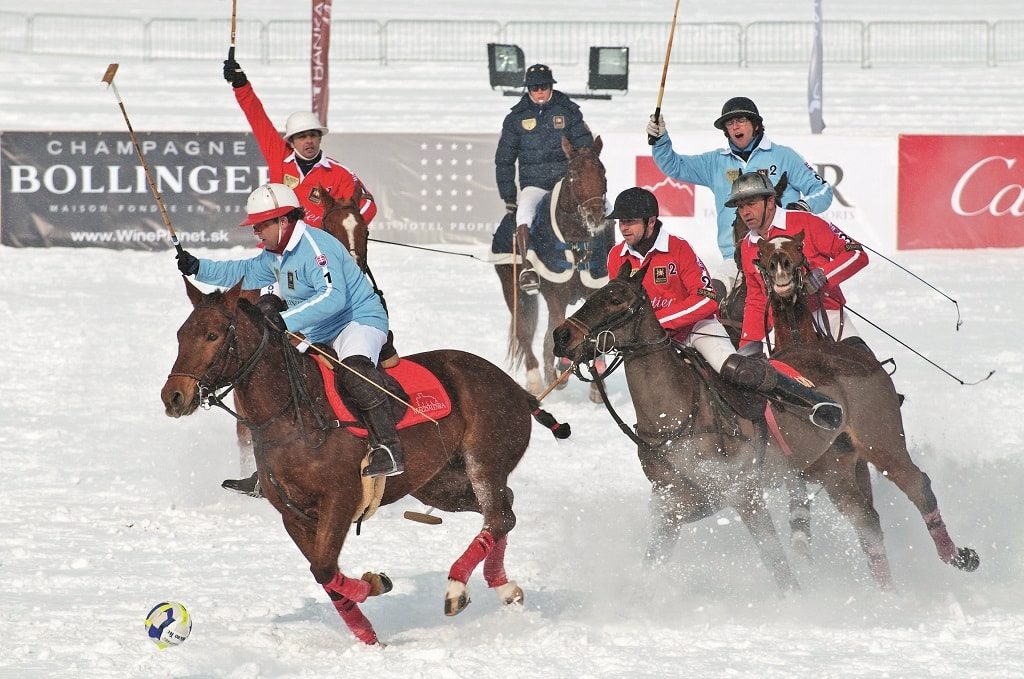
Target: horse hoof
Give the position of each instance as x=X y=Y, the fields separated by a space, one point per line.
x=966 y=559
x=456 y=605
x=456 y=598
x=510 y=593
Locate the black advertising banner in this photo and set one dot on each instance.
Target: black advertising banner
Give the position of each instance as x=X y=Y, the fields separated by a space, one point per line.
x=82 y=189
x=87 y=189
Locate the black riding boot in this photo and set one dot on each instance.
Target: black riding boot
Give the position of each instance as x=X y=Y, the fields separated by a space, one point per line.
x=529 y=281
x=386 y=458
x=247 y=486
x=759 y=375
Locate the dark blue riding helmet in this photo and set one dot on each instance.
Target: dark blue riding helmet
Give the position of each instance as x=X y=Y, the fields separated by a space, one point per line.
x=539 y=74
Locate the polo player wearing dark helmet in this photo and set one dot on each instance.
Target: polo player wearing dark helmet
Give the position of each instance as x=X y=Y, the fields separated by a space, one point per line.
x=532 y=136
x=748 y=149
x=685 y=305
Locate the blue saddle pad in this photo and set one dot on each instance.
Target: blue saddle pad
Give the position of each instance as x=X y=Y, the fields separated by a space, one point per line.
x=550 y=249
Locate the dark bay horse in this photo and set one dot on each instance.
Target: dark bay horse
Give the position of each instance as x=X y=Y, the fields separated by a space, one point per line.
x=698 y=457
x=310 y=469
x=872 y=430
x=580 y=213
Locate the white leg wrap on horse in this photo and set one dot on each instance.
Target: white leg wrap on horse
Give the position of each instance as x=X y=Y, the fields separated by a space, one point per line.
x=455 y=589
x=509 y=593
x=534 y=383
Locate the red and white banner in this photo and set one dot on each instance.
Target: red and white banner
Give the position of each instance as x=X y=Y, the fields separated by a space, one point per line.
x=960 y=192
x=319 y=49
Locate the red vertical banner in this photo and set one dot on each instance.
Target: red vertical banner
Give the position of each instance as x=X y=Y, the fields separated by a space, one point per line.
x=319 y=49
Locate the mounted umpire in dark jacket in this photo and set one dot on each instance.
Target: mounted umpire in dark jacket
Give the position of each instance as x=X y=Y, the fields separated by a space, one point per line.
x=532 y=135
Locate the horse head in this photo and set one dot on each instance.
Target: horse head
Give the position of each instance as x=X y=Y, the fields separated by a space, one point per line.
x=343 y=220
x=617 y=317
x=585 y=187
x=783 y=265
x=208 y=347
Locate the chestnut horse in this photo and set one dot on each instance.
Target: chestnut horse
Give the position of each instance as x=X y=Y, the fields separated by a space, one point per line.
x=310 y=468
x=580 y=212
x=699 y=456
x=872 y=430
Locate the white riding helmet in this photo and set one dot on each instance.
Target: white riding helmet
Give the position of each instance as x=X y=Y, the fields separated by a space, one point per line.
x=269 y=201
x=300 y=121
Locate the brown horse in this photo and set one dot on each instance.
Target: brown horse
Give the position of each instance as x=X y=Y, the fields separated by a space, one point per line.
x=310 y=468
x=698 y=456
x=873 y=427
x=580 y=212
x=343 y=220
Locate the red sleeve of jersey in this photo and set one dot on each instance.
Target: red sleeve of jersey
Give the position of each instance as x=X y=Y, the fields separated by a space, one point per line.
x=838 y=255
x=754 y=307
x=272 y=146
x=693 y=299
x=367 y=206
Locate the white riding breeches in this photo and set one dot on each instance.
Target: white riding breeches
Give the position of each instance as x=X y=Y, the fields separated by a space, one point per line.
x=529 y=198
x=726 y=272
x=712 y=341
x=357 y=339
x=838 y=321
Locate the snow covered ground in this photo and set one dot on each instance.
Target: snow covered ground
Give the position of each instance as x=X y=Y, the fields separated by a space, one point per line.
x=108 y=507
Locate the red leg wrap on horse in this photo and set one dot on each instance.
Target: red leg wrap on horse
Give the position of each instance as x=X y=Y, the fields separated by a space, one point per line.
x=350 y=588
x=494 y=564
x=356 y=621
x=474 y=554
x=940 y=536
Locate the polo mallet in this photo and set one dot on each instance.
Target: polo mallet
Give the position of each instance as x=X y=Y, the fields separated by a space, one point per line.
x=108 y=78
x=664 y=72
x=424 y=517
x=234 y=13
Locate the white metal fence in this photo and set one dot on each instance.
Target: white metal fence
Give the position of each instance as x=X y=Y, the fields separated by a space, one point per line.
x=556 y=42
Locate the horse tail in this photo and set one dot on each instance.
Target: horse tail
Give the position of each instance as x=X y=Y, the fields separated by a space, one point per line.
x=527 y=320
x=560 y=430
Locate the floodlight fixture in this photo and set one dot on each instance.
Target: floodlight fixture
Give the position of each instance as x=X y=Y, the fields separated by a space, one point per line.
x=609 y=68
x=506 y=65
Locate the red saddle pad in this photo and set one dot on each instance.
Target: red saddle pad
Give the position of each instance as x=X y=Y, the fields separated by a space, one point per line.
x=426 y=394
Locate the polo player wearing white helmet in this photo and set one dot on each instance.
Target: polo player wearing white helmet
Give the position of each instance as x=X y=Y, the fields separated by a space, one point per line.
x=296 y=160
x=329 y=301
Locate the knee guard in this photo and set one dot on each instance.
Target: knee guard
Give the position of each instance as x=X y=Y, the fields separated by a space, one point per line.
x=749 y=372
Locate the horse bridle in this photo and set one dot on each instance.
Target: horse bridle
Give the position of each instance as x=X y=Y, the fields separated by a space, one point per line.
x=801 y=269
x=573 y=176
x=603 y=338
x=208 y=387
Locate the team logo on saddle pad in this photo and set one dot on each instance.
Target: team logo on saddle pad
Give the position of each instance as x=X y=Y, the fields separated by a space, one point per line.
x=660 y=275
x=558 y=122
x=529 y=124
x=291 y=182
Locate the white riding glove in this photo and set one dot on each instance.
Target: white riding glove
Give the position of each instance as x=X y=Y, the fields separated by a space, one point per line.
x=656 y=128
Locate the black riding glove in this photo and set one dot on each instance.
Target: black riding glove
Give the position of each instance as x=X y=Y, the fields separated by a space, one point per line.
x=274 y=321
x=816 y=279
x=511 y=206
x=234 y=74
x=799 y=205
x=188 y=264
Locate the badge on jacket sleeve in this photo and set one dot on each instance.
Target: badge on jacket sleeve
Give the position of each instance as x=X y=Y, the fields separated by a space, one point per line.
x=291 y=280
x=314 y=195
x=529 y=124
x=558 y=122
x=291 y=182
x=660 y=275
